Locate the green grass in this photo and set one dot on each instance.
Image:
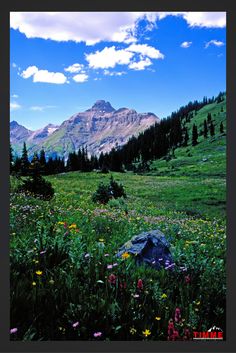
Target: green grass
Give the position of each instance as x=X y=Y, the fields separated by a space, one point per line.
x=72 y=240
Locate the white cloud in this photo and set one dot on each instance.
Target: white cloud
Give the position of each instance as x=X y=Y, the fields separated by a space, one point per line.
x=113 y=73
x=74 y=68
x=30 y=71
x=186 y=44
x=109 y=57
x=195 y=19
x=94 y=27
x=15 y=96
x=90 y=27
x=146 y=50
x=14 y=106
x=14 y=65
x=140 y=65
x=39 y=108
x=215 y=42
x=43 y=75
x=80 y=78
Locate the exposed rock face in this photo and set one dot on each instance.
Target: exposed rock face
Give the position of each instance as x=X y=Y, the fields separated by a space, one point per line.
x=18 y=133
x=99 y=128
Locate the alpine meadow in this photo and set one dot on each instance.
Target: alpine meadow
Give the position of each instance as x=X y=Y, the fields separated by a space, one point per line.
x=118 y=217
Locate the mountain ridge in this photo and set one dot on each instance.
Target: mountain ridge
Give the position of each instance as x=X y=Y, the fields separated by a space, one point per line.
x=100 y=128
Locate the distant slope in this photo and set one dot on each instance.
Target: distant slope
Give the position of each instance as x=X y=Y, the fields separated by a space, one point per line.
x=208 y=157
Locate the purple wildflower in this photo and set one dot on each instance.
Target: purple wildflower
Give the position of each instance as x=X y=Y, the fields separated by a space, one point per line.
x=13 y=330
x=75 y=324
x=97 y=334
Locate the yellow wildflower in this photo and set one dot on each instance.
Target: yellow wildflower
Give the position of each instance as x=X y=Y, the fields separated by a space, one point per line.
x=146 y=333
x=61 y=223
x=198 y=303
x=51 y=281
x=72 y=226
x=164 y=296
x=125 y=255
x=101 y=240
x=33 y=283
x=157 y=318
x=39 y=273
x=132 y=331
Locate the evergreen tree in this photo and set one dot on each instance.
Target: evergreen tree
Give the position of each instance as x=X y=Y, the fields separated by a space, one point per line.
x=209 y=118
x=221 y=128
x=194 y=135
x=42 y=161
x=212 y=129
x=11 y=160
x=24 y=161
x=205 y=131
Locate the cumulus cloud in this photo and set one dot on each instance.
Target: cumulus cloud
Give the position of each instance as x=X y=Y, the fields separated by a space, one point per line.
x=215 y=42
x=89 y=27
x=109 y=58
x=14 y=106
x=74 y=68
x=44 y=75
x=186 y=44
x=94 y=27
x=140 y=65
x=30 y=71
x=80 y=78
x=146 y=50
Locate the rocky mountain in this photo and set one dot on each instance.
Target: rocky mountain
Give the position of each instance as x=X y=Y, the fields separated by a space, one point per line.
x=100 y=128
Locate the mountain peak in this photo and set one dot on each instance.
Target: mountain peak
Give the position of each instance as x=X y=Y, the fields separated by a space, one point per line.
x=103 y=106
x=14 y=124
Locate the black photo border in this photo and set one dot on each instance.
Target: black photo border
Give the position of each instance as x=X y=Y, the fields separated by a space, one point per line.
x=116 y=346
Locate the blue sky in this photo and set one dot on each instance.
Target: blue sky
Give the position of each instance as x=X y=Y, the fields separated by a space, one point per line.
x=61 y=63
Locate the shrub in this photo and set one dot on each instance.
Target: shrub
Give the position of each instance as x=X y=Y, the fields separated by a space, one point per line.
x=38 y=187
x=106 y=192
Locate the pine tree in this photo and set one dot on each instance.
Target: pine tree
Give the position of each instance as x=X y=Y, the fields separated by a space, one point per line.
x=11 y=160
x=205 y=131
x=194 y=135
x=212 y=129
x=221 y=128
x=42 y=161
x=209 y=117
x=186 y=137
x=24 y=161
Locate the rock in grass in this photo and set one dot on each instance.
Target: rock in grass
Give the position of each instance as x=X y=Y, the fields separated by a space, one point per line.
x=151 y=248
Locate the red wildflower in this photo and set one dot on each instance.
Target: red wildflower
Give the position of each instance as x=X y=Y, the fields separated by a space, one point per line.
x=123 y=285
x=187 y=279
x=140 y=284
x=177 y=315
x=112 y=279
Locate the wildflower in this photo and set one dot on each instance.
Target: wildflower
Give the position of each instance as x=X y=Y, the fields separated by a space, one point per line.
x=97 y=334
x=187 y=279
x=75 y=324
x=61 y=223
x=65 y=225
x=106 y=255
x=39 y=273
x=198 y=303
x=51 y=281
x=86 y=255
x=112 y=279
x=72 y=226
x=101 y=240
x=125 y=255
x=109 y=267
x=164 y=296
x=146 y=333
x=136 y=295
x=115 y=264
x=158 y=318
x=140 y=284
x=33 y=283
x=177 y=315
x=123 y=285
x=66 y=233
x=42 y=252
x=132 y=331
x=13 y=330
